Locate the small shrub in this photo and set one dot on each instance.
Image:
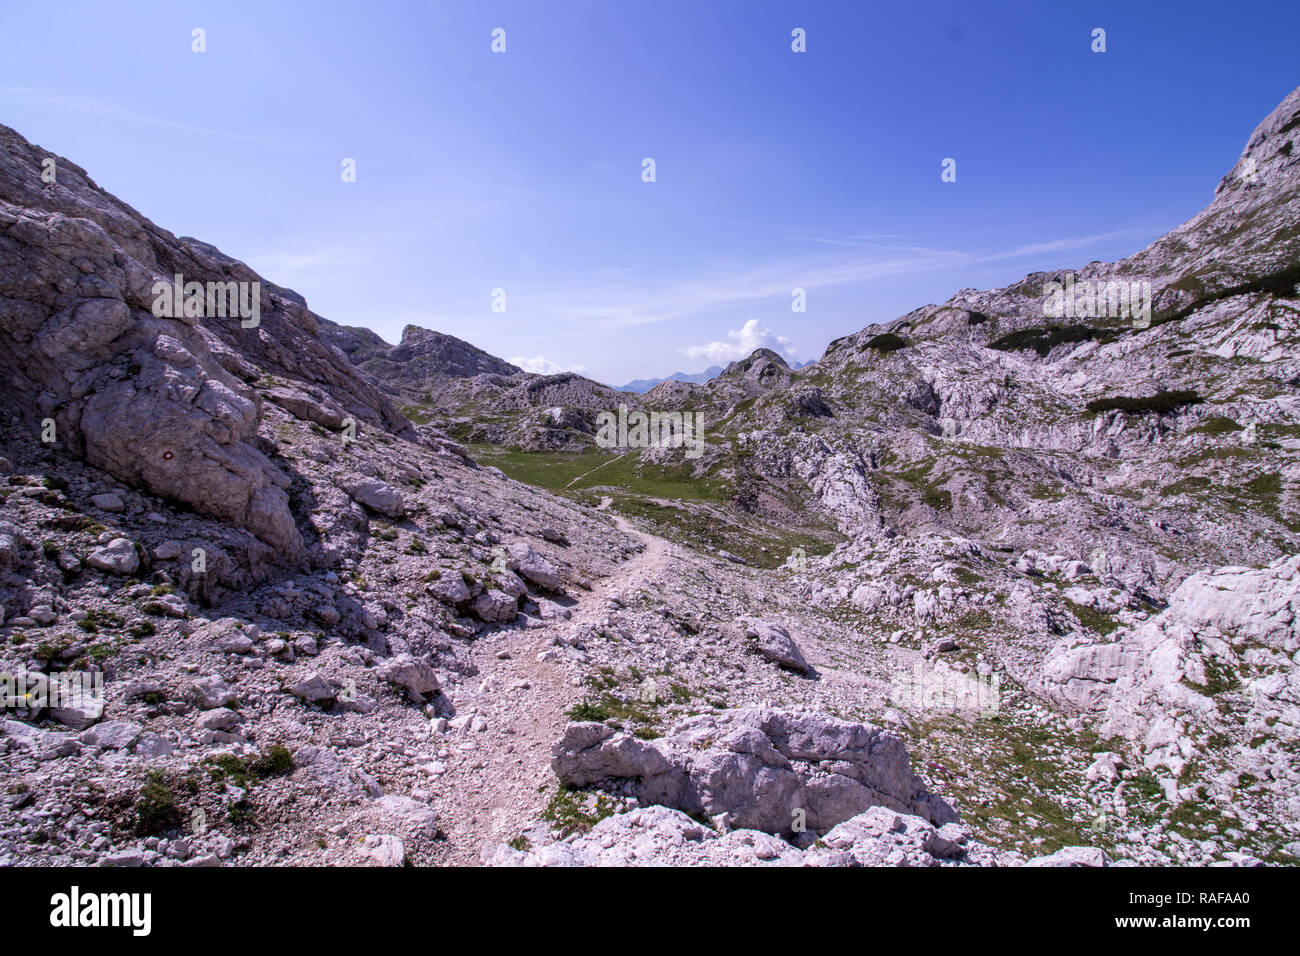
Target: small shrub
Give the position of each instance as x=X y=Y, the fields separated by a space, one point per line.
x=1188 y=485
x=155 y=807
x=241 y=812
x=887 y=342
x=588 y=711
x=1043 y=339
x=1159 y=403
x=274 y=761
x=229 y=767
x=246 y=772
x=104 y=618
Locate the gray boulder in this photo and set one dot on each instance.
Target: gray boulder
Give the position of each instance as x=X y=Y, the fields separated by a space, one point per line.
x=212 y=691
x=43 y=744
x=775 y=643
x=219 y=718
x=112 y=734
x=449 y=588
x=411 y=673
x=383 y=849
x=764 y=769
x=409 y=814
x=108 y=502
x=78 y=710
x=116 y=557
x=378 y=496
x=533 y=567
x=1073 y=856
x=496 y=606
x=313 y=689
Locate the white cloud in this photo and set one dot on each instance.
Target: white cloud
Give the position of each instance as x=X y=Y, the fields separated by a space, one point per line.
x=541 y=365
x=743 y=341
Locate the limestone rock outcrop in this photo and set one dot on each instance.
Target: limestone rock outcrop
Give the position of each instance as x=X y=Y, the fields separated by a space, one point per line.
x=761 y=769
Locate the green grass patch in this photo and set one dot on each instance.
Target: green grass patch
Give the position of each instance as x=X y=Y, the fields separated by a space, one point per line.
x=246 y=772
x=1091 y=618
x=1216 y=425
x=568 y=813
x=565 y=471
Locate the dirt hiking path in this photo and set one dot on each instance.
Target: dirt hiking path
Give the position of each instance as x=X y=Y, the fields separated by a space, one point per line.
x=498 y=779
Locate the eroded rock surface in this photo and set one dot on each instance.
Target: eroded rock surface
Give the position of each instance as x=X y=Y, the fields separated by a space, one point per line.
x=761 y=769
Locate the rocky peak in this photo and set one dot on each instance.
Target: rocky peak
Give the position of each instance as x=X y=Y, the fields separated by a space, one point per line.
x=762 y=371
x=757 y=364
x=433 y=354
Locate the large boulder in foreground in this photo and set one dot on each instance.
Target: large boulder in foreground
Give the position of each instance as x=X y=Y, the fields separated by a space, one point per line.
x=658 y=836
x=764 y=769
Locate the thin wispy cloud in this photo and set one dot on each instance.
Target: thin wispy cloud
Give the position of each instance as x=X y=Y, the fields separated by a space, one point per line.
x=619 y=306
x=30 y=96
x=854 y=241
x=619 y=298
x=1061 y=245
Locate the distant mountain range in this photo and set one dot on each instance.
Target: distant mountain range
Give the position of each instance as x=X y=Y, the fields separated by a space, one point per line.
x=643 y=385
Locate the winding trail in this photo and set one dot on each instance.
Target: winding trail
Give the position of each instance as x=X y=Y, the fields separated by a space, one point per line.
x=604 y=503
x=499 y=779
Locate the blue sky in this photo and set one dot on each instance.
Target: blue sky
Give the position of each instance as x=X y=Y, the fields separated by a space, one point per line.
x=522 y=170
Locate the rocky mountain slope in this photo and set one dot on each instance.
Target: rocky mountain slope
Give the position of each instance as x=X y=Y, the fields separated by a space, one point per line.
x=981 y=587
x=476 y=396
